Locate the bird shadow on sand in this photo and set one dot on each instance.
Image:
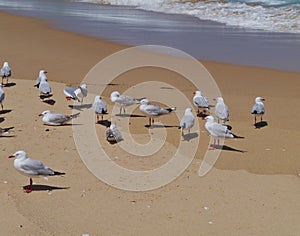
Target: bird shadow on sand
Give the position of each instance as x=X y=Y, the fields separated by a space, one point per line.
x=38 y=187
x=161 y=126
x=189 y=136
x=49 y=102
x=129 y=115
x=226 y=148
x=260 y=124
x=10 y=84
x=80 y=107
x=105 y=123
x=44 y=96
x=5 y=111
x=7 y=136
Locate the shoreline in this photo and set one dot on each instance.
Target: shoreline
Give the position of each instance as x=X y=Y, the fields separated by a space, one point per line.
x=204 y=40
x=253 y=188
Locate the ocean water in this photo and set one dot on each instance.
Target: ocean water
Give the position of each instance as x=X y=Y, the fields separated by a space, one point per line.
x=209 y=40
x=270 y=15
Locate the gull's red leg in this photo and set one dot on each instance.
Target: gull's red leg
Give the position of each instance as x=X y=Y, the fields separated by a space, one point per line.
x=30 y=187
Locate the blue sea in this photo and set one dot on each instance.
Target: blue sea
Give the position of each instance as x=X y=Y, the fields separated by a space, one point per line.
x=262 y=33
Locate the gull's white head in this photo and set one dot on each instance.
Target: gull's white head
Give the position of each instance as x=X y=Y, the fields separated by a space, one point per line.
x=114 y=95
x=83 y=86
x=5 y=64
x=97 y=97
x=259 y=99
x=19 y=155
x=188 y=111
x=45 y=113
x=209 y=119
x=112 y=126
x=220 y=100
x=197 y=93
x=42 y=72
x=144 y=101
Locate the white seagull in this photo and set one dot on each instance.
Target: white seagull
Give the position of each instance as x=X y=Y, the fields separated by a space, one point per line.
x=201 y=102
x=221 y=110
x=2 y=95
x=76 y=93
x=99 y=107
x=153 y=111
x=258 y=108
x=31 y=168
x=217 y=130
x=123 y=100
x=5 y=72
x=113 y=135
x=44 y=87
x=187 y=121
x=42 y=73
x=56 y=119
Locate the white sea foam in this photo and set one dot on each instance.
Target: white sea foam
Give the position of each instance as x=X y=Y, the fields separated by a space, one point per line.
x=269 y=15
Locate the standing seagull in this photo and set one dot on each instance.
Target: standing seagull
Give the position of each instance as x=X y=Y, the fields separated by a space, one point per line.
x=32 y=168
x=5 y=72
x=221 y=110
x=44 y=87
x=99 y=108
x=76 y=93
x=258 y=108
x=2 y=95
x=123 y=100
x=56 y=119
x=113 y=135
x=216 y=130
x=153 y=111
x=187 y=121
x=201 y=102
x=42 y=73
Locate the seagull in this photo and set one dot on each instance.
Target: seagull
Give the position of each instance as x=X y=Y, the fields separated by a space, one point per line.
x=32 y=168
x=187 y=121
x=99 y=108
x=152 y=110
x=76 y=93
x=113 y=135
x=258 y=108
x=2 y=95
x=56 y=119
x=221 y=110
x=5 y=72
x=217 y=130
x=123 y=100
x=38 y=80
x=201 y=102
x=44 y=87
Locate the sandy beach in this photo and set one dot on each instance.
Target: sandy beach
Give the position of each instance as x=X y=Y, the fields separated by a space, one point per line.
x=253 y=188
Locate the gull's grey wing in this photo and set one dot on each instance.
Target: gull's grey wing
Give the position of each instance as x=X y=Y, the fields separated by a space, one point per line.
x=70 y=92
x=5 y=71
x=35 y=167
x=221 y=111
x=2 y=95
x=99 y=107
x=187 y=121
x=201 y=102
x=258 y=109
x=44 y=87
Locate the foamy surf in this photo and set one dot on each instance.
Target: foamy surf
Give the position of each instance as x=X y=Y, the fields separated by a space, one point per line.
x=268 y=15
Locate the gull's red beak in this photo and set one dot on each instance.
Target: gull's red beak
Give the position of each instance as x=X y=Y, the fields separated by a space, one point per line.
x=12 y=156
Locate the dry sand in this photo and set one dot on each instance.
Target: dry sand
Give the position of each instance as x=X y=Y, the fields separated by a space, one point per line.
x=255 y=192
